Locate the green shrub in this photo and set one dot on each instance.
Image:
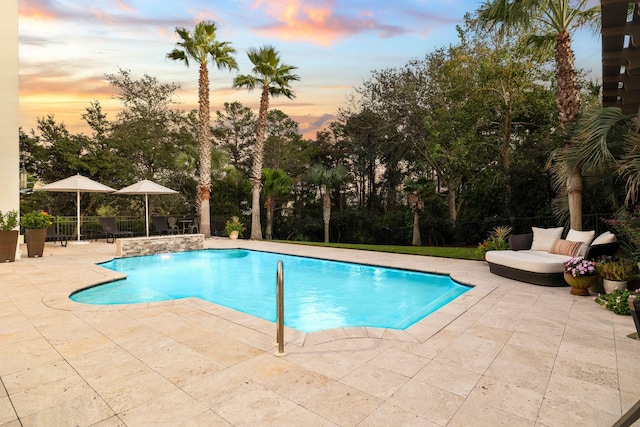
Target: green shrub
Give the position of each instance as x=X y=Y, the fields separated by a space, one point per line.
x=35 y=220
x=617 y=301
x=497 y=241
x=8 y=221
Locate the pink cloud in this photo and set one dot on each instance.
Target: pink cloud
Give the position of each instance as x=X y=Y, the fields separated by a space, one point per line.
x=36 y=9
x=126 y=7
x=317 y=23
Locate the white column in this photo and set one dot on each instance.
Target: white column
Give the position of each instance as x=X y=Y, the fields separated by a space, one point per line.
x=9 y=141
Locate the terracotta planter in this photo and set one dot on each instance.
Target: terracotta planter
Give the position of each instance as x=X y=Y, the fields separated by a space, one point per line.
x=8 y=245
x=580 y=285
x=612 y=285
x=35 y=242
x=233 y=235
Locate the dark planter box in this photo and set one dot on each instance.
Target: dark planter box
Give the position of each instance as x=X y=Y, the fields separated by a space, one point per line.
x=635 y=309
x=8 y=245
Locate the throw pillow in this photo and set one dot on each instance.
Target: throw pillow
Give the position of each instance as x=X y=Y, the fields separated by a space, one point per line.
x=518 y=242
x=581 y=236
x=543 y=238
x=565 y=247
x=606 y=237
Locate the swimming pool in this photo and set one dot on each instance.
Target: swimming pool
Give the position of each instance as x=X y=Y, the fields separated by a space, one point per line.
x=319 y=294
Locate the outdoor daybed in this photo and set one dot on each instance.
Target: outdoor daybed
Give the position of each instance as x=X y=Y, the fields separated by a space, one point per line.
x=538 y=257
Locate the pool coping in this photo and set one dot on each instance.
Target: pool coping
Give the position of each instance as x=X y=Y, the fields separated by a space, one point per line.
x=519 y=354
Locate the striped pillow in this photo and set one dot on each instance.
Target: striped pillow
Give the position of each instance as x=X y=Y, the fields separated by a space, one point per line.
x=565 y=247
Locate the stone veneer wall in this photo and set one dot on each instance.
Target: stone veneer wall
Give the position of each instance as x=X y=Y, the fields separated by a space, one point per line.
x=135 y=246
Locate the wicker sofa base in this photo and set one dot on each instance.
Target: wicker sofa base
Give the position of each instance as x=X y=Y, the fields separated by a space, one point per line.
x=543 y=279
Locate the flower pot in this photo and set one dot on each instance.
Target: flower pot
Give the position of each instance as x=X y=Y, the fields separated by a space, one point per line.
x=612 y=285
x=634 y=304
x=233 y=235
x=35 y=241
x=597 y=287
x=8 y=245
x=580 y=285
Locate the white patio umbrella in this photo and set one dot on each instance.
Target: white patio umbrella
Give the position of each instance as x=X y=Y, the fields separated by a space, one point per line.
x=78 y=184
x=146 y=187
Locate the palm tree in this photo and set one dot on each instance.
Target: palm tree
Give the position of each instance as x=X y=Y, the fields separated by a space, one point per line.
x=327 y=179
x=556 y=19
x=273 y=78
x=202 y=47
x=415 y=189
x=275 y=183
x=605 y=146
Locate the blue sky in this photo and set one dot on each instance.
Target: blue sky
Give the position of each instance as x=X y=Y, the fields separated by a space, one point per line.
x=66 y=47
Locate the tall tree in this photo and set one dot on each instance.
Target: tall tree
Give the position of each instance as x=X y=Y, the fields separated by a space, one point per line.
x=415 y=188
x=276 y=184
x=145 y=130
x=327 y=179
x=235 y=132
x=202 y=47
x=273 y=79
x=553 y=21
x=283 y=145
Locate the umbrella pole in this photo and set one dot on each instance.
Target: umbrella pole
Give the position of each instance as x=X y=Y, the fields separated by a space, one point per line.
x=78 y=212
x=146 y=212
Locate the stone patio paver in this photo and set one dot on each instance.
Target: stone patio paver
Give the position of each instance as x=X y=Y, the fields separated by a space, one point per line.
x=503 y=354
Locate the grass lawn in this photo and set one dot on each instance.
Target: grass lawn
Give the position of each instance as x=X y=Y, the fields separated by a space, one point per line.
x=443 y=252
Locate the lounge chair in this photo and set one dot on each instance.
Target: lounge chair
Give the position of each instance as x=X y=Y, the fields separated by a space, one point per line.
x=162 y=227
x=53 y=236
x=539 y=257
x=110 y=229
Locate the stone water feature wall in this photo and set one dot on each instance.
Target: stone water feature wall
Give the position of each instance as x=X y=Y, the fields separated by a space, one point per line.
x=135 y=246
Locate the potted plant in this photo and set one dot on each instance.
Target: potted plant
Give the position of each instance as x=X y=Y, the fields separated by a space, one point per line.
x=35 y=225
x=8 y=236
x=615 y=273
x=234 y=228
x=580 y=274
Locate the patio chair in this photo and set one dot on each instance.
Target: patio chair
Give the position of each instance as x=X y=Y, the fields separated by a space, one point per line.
x=194 y=227
x=161 y=225
x=53 y=236
x=173 y=224
x=110 y=229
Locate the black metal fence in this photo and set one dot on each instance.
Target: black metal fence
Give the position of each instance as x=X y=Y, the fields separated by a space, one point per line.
x=90 y=225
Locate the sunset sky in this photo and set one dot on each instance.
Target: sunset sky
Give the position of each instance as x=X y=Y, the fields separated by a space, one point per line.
x=67 y=46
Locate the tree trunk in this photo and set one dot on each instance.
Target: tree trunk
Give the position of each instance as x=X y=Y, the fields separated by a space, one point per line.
x=417 y=241
x=568 y=101
x=256 y=170
x=574 y=193
x=451 y=201
x=204 y=142
x=269 y=206
x=326 y=213
x=567 y=92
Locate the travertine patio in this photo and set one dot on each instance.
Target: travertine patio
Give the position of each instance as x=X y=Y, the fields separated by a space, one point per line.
x=505 y=353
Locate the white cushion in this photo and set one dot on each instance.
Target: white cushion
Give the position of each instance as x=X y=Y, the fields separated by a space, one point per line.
x=543 y=238
x=581 y=236
x=533 y=261
x=606 y=237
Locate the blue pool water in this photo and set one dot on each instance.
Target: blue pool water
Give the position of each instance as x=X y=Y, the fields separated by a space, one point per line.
x=318 y=294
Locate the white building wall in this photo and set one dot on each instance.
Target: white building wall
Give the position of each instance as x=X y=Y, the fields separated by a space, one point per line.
x=9 y=141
